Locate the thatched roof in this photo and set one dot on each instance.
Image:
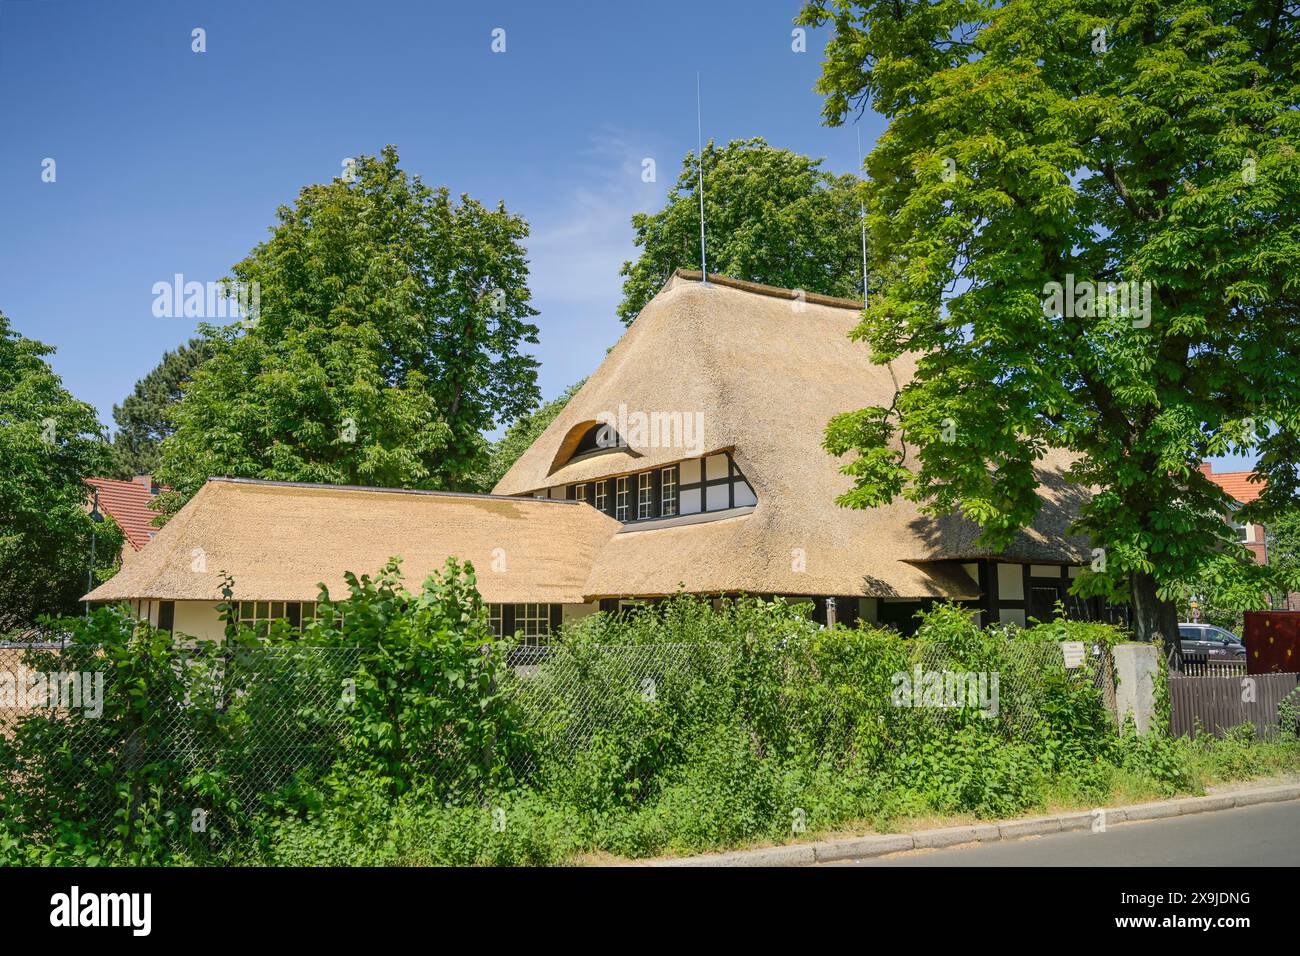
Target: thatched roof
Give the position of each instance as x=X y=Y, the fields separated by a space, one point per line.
x=768 y=373
x=279 y=540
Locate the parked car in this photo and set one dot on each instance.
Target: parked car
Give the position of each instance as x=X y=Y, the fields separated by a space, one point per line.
x=1206 y=640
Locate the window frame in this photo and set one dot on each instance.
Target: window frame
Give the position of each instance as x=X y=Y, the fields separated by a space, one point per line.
x=533 y=623
x=622 y=498
x=645 y=495
x=669 y=499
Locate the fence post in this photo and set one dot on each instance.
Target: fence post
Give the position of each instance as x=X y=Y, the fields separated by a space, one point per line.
x=1135 y=692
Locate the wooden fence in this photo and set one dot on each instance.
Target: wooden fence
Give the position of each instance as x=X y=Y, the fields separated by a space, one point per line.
x=1213 y=705
x=1203 y=666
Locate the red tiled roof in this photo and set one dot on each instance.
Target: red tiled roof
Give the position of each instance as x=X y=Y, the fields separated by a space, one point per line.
x=128 y=503
x=1235 y=483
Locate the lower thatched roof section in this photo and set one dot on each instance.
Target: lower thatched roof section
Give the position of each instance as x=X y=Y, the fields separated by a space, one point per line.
x=756 y=554
x=280 y=541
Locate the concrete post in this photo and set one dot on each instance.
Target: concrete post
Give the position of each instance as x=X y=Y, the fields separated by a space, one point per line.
x=1136 y=666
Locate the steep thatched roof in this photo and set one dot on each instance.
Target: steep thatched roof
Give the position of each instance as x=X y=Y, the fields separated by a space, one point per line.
x=767 y=371
x=280 y=540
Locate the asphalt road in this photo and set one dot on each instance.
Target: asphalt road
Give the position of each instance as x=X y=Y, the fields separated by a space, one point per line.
x=1266 y=835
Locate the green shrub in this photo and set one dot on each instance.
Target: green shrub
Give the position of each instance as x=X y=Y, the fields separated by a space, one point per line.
x=1165 y=761
x=679 y=728
x=362 y=825
x=427 y=696
x=92 y=787
x=972 y=771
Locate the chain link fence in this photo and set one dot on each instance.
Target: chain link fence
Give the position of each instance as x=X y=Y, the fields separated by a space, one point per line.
x=235 y=730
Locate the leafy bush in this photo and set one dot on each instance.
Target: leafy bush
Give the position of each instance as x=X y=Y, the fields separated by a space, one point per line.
x=105 y=787
x=1163 y=760
x=405 y=736
x=362 y=825
x=425 y=702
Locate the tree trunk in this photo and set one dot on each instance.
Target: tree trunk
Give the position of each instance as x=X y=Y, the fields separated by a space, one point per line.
x=1154 y=618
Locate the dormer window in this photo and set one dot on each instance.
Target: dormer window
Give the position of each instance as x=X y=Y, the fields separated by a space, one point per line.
x=596 y=440
x=588 y=440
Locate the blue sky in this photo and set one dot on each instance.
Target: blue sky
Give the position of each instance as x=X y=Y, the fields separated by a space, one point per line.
x=171 y=161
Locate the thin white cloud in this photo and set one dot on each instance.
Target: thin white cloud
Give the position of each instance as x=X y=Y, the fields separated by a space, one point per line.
x=576 y=253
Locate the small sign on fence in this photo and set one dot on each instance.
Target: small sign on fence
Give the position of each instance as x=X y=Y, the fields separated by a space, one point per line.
x=1073 y=651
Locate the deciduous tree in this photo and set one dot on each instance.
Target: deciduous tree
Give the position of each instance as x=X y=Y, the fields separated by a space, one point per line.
x=391 y=317
x=771 y=216
x=49 y=444
x=1042 y=158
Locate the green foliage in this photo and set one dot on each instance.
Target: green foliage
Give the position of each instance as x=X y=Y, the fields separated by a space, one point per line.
x=759 y=726
x=49 y=444
x=1283 y=534
x=391 y=317
x=1164 y=760
x=360 y=825
x=972 y=772
x=428 y=701
x=771 y=216
x=1017 y=156
x=98 y=787
x=144 y=417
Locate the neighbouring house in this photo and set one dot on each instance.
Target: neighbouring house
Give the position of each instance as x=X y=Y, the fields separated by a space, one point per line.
x=127 y=503
x=690 y=461
x=1243 y=490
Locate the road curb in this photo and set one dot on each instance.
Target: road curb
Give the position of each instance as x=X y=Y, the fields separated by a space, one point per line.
x=867 y=847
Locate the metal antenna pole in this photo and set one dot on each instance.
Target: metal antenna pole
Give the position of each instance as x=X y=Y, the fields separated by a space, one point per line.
x=699 y=155
x=862 y=207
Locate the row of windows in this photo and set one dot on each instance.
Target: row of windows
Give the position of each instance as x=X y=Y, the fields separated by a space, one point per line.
x=258 y=615
x=688 y=487
x=649 y=502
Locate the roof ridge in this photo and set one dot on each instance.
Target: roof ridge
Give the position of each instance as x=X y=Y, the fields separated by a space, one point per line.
x=774 y=291
x=321 y=486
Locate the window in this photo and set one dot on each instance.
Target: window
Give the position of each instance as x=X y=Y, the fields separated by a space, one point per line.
x=1245 y=532
x=496 y=618
x=258 y=615
x=598 y=438
x=621 y=503
x=602 y=496
x=645 y=495
x=668 y=492
x=166 y=615
x=580 y=493
x=1219 y=634
x=533 y=621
